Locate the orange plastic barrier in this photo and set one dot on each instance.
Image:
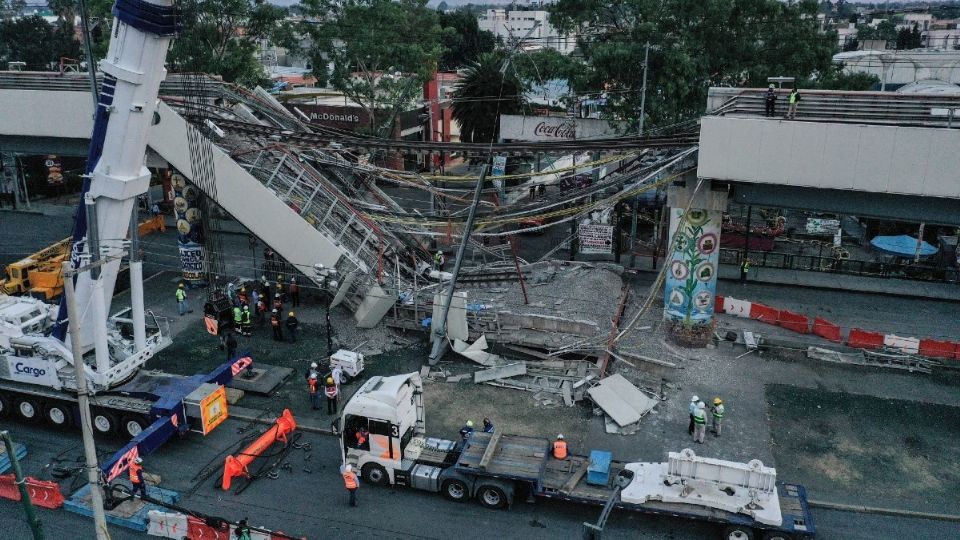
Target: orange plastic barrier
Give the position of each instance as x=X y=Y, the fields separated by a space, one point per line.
x=718 y=304
x=862 y=339
x=937 y=349
x=43 y=494
x=237 y=466
x=827 y=330
x=794 y=321
x=764 y=313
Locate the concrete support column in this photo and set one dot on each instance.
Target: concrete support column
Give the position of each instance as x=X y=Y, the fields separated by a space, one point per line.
x=692 y=259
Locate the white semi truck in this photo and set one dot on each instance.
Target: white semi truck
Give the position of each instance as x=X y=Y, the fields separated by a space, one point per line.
x=744 y=499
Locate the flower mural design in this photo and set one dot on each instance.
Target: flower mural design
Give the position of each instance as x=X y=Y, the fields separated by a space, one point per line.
x=691 y=280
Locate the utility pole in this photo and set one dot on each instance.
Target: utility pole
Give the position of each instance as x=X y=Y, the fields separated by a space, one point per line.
x=89 y=450
x=643 y=91
x=440 y=332
x=633 y=229
x=35 y=526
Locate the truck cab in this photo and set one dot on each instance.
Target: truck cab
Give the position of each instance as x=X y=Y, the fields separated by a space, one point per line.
x=390 y=411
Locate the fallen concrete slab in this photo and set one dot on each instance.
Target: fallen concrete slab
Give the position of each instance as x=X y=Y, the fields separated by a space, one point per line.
x=620 y=399
x=500 y=372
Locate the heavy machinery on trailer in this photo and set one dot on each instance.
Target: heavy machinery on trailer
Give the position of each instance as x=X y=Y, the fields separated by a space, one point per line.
x=40 y=274
x=744 y=499
x=38 y=373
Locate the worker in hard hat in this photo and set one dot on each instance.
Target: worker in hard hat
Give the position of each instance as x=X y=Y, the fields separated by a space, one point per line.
x=183 y=305
x=717 y=410
x=314 y=370
x=292 y=325
x=314 y=391
x=560 y=448
x=692 y=409
x=350 y=482
x=294 y=291
x=136 y=478
x=438 y=261
x=700 y=422
x=277 y=302
x=331 y=391
x=770 y=100
x=275 y=323
x=466 y=431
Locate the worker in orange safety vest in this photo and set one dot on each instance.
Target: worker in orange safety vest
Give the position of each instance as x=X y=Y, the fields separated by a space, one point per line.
x=351 y=482
x=560 y=447
x=136 y=478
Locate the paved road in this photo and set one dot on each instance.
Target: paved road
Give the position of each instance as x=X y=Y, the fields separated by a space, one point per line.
x=314 y=504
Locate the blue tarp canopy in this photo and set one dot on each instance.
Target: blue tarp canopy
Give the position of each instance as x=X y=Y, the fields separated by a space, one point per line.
x=902 y=246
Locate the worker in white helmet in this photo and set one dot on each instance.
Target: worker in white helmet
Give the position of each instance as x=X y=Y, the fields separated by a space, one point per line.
x=560 y=448
x=692 y=409
x=466 y=431
x=136 y=478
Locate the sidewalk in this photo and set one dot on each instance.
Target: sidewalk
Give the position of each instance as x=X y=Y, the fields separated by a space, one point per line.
x=846 y=282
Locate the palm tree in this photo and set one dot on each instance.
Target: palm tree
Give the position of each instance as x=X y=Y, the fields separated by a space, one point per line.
x=490 y=87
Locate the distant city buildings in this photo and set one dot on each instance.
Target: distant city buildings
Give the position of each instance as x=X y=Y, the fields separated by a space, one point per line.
x=512 y=26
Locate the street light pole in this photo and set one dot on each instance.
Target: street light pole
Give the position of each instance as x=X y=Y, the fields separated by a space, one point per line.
x=89 y=449
x=329 y=288
x=643 y=91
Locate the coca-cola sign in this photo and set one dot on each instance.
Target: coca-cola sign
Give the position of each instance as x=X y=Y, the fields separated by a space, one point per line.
x=563 y=130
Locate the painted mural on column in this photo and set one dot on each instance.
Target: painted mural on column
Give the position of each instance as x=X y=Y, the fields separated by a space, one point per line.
x=691 y=282
x=190 y=234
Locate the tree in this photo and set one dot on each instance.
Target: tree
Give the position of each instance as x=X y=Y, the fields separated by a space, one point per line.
x=909 y=38
x=837 y=79
x=377 y=52
x=221 y=37
x=695 y=45
x=11 y=8
x=34 y=41
x=885 y=30
x=462 y=39
x=486 y=91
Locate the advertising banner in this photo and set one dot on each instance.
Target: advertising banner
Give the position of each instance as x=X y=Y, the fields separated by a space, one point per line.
x=596 y=239
x=190 y=234
x=54 y=170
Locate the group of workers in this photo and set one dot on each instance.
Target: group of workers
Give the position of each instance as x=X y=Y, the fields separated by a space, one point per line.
x=770 y=102
x=698 y=418
x=558 y=448
x=331 y=387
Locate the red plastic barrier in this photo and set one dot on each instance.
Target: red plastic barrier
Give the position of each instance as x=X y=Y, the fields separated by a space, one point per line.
x=237 y=466
x=937 y=349
x=794 y=321
x=198 y=530
x=764 y=313
x=827 y=330
x=718 y=304
x=862 y=339
x=43 y=494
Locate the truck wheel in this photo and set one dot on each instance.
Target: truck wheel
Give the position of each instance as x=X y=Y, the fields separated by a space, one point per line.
x=27 y=409
x=455 y=490
x=104 y=423
x=59 y=415
x=4 y=406
x=133 y=425
x=738 y=532
x=777 y=536
x=375 y=474
x=492 y=497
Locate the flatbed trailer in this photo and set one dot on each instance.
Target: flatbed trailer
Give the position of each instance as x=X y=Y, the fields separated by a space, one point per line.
x=528 y=460
x=383 y=435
